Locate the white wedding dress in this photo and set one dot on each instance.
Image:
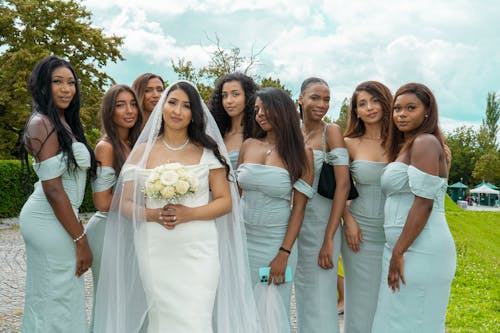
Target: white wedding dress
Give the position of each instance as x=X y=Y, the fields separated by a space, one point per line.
x=180 y=268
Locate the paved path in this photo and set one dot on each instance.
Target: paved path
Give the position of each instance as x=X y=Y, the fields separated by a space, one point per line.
x=12 y=277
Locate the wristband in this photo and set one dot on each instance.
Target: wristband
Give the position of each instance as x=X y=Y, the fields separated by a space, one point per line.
x=284 y=250
x=79 y=237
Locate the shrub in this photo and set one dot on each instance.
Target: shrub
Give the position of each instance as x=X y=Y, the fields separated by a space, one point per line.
x=16 y=186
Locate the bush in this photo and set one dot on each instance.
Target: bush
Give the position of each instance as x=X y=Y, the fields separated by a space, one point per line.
x=16 y=187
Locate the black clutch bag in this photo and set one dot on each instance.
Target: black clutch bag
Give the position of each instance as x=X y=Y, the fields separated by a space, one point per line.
x=327 y=184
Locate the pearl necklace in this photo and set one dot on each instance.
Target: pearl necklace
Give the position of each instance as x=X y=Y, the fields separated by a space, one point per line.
x=181 y=147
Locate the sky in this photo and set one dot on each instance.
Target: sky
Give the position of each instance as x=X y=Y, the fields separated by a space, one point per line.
x=452 y=46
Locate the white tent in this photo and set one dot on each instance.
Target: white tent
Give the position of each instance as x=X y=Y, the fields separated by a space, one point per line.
x=484 y=189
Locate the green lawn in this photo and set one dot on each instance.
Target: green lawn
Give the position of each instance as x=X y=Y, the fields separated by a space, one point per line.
x=475 y=295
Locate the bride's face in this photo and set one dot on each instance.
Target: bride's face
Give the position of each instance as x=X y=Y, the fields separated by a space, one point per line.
x=177 y=110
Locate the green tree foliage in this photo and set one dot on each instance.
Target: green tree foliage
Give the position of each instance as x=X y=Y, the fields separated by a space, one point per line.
x=487 y=167
x=463 y=143
x=344 y=110
x=29 y=31
x=490 y=123
x=222 y=62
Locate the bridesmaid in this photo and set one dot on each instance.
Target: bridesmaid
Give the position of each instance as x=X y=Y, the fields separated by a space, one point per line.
x=121 y=123
x=319 y=239
x=232 y=104
x=419 y=257
x=274 y=170
x=57 y=250
x=363 y=241
x=148 y=88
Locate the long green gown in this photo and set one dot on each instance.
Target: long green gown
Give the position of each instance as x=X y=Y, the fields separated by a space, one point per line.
x=266 y=208
x=429 y=263
x=362 y=269
x=315 y=287
x=106 y=179
x=54 y=295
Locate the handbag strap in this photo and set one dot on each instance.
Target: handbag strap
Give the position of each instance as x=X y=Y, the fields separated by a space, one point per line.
x=323 y=142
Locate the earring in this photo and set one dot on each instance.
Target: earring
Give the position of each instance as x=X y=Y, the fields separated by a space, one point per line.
x=426 y=116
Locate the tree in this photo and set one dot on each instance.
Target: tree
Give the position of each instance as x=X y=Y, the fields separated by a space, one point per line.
x=344 y=110
x=31 y=30
x=463 y=143
x=223 y=62
x=487 y=167
x=490 y=123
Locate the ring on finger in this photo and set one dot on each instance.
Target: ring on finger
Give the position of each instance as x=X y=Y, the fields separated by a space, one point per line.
x=174 y=218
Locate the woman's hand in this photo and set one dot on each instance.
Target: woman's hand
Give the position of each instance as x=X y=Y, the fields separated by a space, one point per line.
x=353 y=234
x=278 y=268
x=171 y=215
x=396 y=271
x=325 y=258
x=83 y=256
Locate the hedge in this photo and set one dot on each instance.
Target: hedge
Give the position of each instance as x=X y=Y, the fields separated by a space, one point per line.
x=15 y=188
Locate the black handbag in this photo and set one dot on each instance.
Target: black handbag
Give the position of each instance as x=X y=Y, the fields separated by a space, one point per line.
x=326 y=183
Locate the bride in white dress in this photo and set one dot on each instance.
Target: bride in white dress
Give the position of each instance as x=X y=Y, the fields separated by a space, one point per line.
x=176 y=267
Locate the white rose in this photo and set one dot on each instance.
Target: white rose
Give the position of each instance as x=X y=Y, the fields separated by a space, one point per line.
x=181 y=187
x=194 y=184
x=168 y=192
x=169 y=177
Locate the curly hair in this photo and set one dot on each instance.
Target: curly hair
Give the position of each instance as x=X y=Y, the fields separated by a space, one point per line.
x=355 y=126
x=220 y=115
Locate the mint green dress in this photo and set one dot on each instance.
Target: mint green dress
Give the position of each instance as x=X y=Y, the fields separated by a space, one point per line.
x=266 y=208
x=429 y=263
x=54 y=295
x=106 y=179
x=315 y=287
x=233 y=158
x=362 y=269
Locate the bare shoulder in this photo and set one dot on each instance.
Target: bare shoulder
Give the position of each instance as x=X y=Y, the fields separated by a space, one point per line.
x=425 y=142
x=334 y=137
x=104 y=153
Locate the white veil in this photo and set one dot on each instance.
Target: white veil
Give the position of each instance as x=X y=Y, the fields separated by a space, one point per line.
x=121 y=305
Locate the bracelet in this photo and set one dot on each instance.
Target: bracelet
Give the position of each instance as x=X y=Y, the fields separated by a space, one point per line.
x=284 y=250
x=79 y=237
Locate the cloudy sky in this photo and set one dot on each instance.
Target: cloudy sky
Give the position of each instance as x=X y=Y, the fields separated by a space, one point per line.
x=453 y=46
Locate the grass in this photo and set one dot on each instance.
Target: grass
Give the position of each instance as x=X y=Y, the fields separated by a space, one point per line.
x=475 y=295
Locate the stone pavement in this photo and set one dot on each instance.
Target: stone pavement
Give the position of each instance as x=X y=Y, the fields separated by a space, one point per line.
x=12 y=277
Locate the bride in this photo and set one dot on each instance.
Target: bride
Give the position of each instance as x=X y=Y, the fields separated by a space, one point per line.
x=176 y=267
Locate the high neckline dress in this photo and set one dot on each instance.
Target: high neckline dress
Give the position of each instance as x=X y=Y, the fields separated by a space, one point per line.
x=54 y=295
x=430 y=261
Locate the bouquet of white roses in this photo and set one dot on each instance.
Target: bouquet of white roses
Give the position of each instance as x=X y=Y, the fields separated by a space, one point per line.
x=170 y=181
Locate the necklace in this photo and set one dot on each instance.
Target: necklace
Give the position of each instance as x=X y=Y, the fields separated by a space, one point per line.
x=181 y=147
x=270 y=150
x=371 y=138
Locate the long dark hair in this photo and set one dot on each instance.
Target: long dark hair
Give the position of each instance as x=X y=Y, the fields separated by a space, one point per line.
x=308 y=82
x=282 y=115
x=396 y=141
x=356 y=126
x=197 y=127
x=221 y=117
x=40 y=88
x=140 y=84
x=109 y=129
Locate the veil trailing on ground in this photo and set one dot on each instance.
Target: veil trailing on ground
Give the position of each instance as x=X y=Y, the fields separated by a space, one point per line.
x=121 y=304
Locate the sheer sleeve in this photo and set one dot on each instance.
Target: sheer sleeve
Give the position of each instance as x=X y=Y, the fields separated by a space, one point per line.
x=338 y=156
x=423 y=184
